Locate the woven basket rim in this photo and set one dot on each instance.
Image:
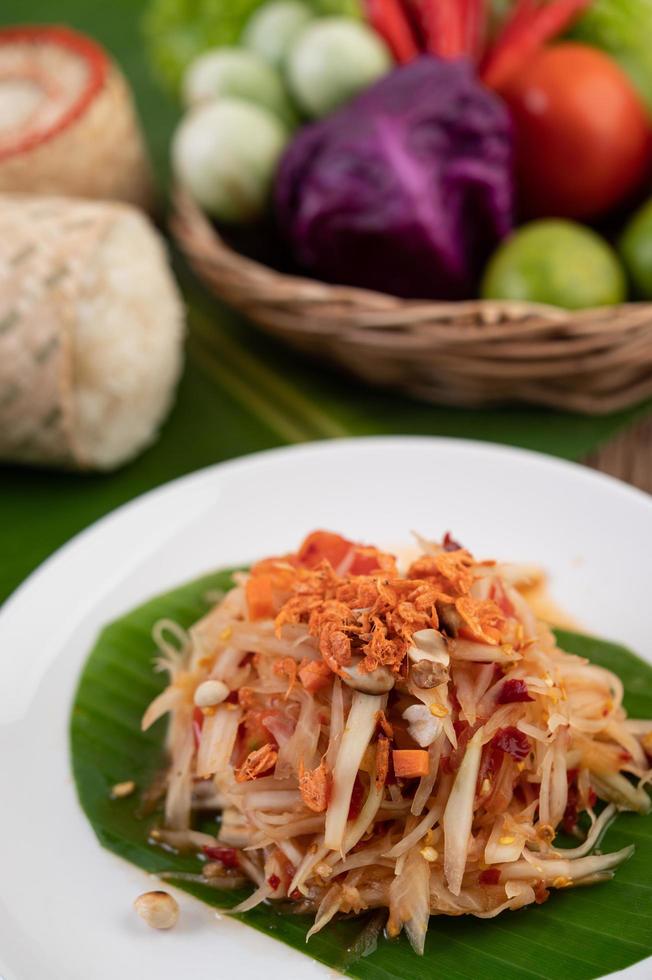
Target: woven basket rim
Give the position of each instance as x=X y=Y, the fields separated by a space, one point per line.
x=185 y=206
x=471 y=353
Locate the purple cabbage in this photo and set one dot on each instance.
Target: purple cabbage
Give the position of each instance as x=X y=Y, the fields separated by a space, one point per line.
x=407 y=189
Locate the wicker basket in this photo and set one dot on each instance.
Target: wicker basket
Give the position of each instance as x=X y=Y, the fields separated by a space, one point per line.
x=466 y=354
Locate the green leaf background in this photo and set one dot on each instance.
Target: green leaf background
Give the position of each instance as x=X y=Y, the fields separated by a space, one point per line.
x=241 y=391
x=576 y=935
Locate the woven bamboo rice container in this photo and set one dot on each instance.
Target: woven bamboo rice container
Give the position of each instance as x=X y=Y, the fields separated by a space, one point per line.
x=95 y=147
x=91 y=329
x=467 y=354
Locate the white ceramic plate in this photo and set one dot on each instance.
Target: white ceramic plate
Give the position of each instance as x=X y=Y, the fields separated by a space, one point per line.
x=65 y=903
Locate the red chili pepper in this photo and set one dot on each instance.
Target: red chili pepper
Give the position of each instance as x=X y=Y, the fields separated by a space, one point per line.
x=512 y=691
x=512 y=741
x=96 y=68
x=441 y=27
x=529 y=27
x=474 y=20
x=228 y=856
x=273 y=881
x=296 y=895
x=389 y=19
x=452 y=28
x=489 y=877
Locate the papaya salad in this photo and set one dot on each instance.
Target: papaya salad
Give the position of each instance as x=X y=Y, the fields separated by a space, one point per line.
x=410 y=741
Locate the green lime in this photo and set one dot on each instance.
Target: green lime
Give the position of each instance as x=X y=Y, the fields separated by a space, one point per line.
x=636 y=250
x=556 y=262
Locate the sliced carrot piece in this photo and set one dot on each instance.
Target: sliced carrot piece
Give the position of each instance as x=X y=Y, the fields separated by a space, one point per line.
x=260 y=597
x=410 y=763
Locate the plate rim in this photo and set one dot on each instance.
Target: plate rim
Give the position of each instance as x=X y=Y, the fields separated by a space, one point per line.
x=223 y=469
x=322 y=445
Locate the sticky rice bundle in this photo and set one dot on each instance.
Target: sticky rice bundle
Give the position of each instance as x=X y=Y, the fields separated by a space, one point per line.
x=91 y=330
x=67 y=120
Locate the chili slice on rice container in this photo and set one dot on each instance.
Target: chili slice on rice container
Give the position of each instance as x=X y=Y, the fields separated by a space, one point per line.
x=67 y=119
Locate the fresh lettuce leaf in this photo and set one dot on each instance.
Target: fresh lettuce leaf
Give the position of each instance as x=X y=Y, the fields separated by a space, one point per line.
x=176 y=31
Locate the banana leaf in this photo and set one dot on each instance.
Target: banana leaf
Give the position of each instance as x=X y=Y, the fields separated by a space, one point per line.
x=577 y=934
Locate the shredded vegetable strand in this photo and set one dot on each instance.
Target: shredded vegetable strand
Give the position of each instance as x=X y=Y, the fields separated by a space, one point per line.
x=458 y=816
x=217 y=740
x=409 y=901
x=364 y=821
x=429 y=820
x=355 y=739
x=426 y=783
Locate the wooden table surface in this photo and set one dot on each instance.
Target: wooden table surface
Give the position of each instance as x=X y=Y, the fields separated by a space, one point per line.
x=628 y=456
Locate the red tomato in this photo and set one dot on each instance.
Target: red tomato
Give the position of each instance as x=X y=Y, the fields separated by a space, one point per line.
x=322 y=545
x=582 y=134
x=334 y=548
